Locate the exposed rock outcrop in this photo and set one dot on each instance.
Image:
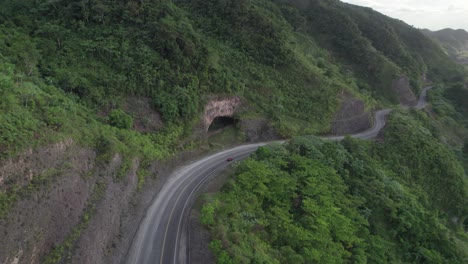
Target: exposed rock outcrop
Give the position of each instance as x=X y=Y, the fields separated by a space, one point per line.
x=258 y=129
x=132 y=211
x=403 y=90
x=219 y=107
x=145 y=119
x=104 y=227
x=52 y=191
x=45 y=213
x=352 y=117
x=22 y=169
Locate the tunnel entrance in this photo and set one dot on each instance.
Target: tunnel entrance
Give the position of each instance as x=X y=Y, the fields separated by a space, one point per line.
x=220 y=123
x=223 y=132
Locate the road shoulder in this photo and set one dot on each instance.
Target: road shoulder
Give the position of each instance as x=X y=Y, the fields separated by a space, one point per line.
x=199 y=235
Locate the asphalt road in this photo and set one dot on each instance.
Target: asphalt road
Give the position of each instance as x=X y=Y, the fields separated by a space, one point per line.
x=422 y=98
x=165 y=223
x=162 y=235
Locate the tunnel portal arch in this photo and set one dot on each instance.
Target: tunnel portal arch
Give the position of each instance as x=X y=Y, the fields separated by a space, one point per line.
x=221 y=109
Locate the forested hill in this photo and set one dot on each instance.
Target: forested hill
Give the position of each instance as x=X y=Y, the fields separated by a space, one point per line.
x=93 y=92
x=455 y=42
x=288 y=59
x=314 y=201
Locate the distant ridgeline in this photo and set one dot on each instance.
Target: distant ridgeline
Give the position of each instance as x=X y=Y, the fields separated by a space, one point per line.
x=454 y=42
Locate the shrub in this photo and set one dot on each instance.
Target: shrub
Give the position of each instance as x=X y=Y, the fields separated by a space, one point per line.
x=120 y=119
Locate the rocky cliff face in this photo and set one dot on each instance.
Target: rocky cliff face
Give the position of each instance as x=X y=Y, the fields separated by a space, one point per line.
x=69 y=201
x=219 y=107
x=258 y=129
x=145 y=119
x=352 y=117
x=104 y=226
x=403 y=90
x=255 y=129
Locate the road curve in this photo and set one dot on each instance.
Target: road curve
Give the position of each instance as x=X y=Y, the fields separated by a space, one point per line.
x=423 y=98
x=162 y=234
x=164 y=223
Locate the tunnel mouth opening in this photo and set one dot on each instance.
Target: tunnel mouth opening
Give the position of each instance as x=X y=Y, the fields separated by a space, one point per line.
x=222 y=122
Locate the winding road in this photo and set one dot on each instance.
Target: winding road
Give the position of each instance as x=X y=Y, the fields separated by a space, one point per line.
x=162 y=236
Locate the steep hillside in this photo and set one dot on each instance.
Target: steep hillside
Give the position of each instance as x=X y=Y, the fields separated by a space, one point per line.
x=314 y=201
x=455 y=42
x=176 y=54
x=376 y=46
x=130 y=83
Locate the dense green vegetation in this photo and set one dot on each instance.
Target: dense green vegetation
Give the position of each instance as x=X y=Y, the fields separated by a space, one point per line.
x=379 y=48
x=68 y=70
x=454 y=42
x=314 y=201
x=289 y=63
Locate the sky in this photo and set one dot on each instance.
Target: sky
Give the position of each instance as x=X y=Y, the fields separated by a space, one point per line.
x=431 y=14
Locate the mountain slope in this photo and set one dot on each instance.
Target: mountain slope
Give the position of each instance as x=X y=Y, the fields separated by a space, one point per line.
x=455 y=42
x=311 y=201
x=378 y=46
x=127 y=83
x=178 y=53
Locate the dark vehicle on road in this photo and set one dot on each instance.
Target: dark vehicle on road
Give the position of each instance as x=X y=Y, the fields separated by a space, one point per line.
x=229 y=159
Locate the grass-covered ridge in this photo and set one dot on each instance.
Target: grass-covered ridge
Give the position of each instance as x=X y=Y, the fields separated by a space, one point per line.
x=313 y=201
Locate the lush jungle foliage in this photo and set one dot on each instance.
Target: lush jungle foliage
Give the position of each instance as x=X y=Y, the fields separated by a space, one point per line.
x=454 y=42
x=314 y=201
x=289 y=60
x=68 y=69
